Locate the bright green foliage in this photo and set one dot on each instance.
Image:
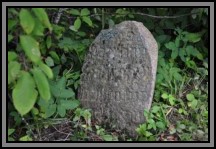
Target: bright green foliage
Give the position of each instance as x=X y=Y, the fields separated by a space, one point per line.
x=43 y=17
x=31 y=48
x=24 y=94
x=57 y=52
x=27 y=21
x=42 y=83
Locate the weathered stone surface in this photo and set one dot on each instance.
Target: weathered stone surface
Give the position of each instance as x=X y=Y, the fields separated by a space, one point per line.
x=118 y=76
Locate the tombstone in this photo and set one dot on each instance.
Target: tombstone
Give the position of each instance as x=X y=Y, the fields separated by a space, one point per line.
x=118 y=75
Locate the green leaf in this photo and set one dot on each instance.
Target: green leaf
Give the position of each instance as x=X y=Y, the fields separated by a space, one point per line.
x=193 y=37
x=70 y=104
x=38 y=29
x=182 y=54
x=177 y=76
x=55 y=57
x=87 y=20
x=171 y=100
x=155 y=109
x=85 y=12
x=147 y=134
x=10 y=37
x=24 y=94
x=43 y=17
x=107 y=137
x=13 y=71
x=160 y=125
x=111 y=23
x=174 y=54
x=50 y=110
x=26 y=138
x=164 y=96
x=190 y=97
x=177 y=42
x=42 y=83
x=46 y=69
x=73 y=28
x=49 y=61
x=194 y=103
x=10 y=131
x=11 y=24
x=162 y=38
x=61 y=110
x=26 y=21
x=31 y=48
x=48 y=42
x=75 y=12
x=170 y=45
x=12 y=56
x=77 y=23
x=58 y=89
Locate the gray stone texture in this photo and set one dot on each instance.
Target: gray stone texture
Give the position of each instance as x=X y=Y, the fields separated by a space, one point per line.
x=118 y=75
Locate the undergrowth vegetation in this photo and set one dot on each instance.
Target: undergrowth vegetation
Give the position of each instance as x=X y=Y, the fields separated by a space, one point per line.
x=46 y=50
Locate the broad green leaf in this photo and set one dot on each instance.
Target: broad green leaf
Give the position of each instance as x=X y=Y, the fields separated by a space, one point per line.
x=38 y=29
x=170 y=45
x=77 y=23
x=70 y=104
x=155 y=109
x=190 y=97
x=49 y=61
x=162 y=38
x=73 y=28
x=12 y=56
x=24 y=94
x=13 y=71
x=61 y=110
x=174 y=54
x=10 y=37
x=46 y=69
x=165 y=96
x=194 y=103
x=42 y=83
x=107 y=137
x=74 y=12
x=35 y=111
x=58 y=89
x=26 y=21
x=87 y=20
x=160 y=125
x=147 y=134
x=31 y=48
x=11 y=24
x=51 y=109
x=171 y=100
x=10 y=131
x=55 y=57
x=43 y=17
x=85 y=12
x=48 y=42
x=177 y=42
x=177 y=76
x=190 y=50
x=182 y=54
x=193 y=37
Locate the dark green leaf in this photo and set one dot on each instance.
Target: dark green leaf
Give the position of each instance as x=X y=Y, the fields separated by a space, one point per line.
x=70 y=104
x=48 y=42
x=61 y=110
x=11 y=56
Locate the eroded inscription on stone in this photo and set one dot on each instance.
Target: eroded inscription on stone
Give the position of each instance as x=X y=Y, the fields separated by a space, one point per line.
x=118 y=75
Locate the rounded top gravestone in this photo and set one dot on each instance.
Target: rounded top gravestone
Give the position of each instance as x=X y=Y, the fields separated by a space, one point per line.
x=118 y=75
